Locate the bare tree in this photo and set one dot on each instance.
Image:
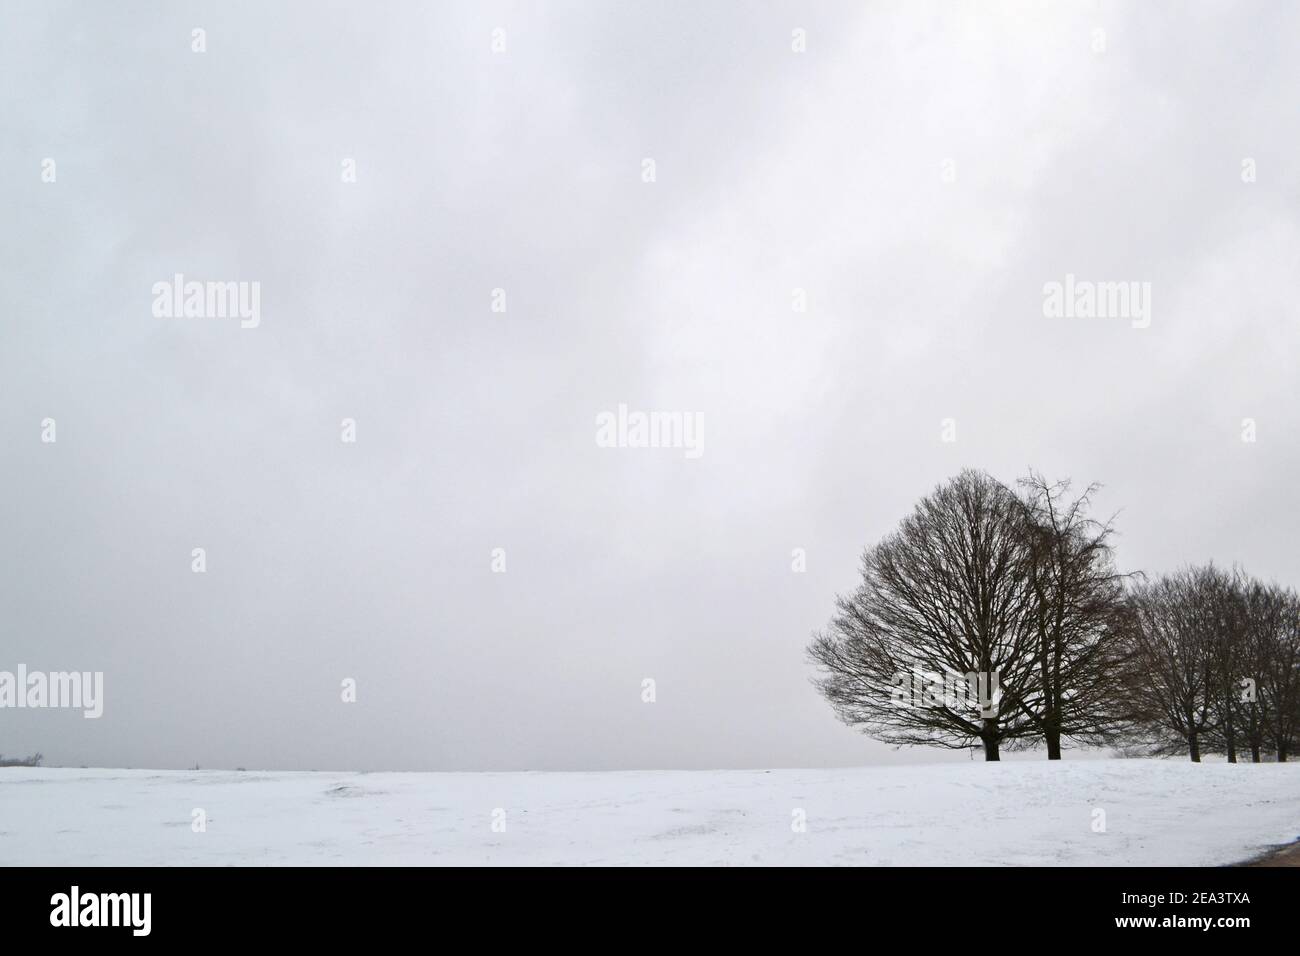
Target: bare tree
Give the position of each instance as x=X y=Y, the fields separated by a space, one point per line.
x=1265 y=607
x=1169 y=681
x=1077 y=615
x=944 y=597
x=1225 y=597
x=32 y=761
x=1278 y=681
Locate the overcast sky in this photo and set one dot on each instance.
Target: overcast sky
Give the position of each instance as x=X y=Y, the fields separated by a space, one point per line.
x=920 y=172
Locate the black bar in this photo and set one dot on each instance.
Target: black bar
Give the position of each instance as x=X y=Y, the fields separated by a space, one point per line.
x=331 y=905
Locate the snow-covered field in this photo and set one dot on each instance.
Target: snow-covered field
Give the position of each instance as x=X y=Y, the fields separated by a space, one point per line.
x=1018 y=812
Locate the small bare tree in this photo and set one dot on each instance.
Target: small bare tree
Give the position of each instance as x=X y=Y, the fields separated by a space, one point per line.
x=1169 y=681
x=944 y=599
x=1278 y=683
x=1230 y=659
x=1077 y=615
x=1264 y=610
x=31 y=761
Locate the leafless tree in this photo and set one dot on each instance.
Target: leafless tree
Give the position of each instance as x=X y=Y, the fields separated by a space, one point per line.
x=1168 y=682
x=1231 y=660
x=1264 y=607
x=1278 y=663
x=1077 y=615
x=31 y=761
x=946 y=595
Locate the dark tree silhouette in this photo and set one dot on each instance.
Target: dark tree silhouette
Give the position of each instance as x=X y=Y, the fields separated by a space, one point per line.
x=1277 y=685
x=1264 y=608
x=945 y=595
x=1077 y=615
x=32 y=761
x=1168 y=684
x=1231 y=660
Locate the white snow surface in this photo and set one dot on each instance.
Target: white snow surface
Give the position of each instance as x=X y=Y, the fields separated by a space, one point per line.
x=1157 y=812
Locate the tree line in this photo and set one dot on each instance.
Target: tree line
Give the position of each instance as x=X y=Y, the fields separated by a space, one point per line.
x=31 y=761
x=997 y=617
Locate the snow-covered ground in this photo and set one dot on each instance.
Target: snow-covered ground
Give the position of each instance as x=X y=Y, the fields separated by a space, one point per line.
x=1156 y=812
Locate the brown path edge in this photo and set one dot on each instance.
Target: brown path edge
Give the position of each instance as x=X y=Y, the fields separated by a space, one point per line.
x=1288 y=855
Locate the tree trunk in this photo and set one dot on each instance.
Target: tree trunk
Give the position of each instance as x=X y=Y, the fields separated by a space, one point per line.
x=1053 y=744
x=1194 y=747
x=990 y=738
x=1254 y=751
